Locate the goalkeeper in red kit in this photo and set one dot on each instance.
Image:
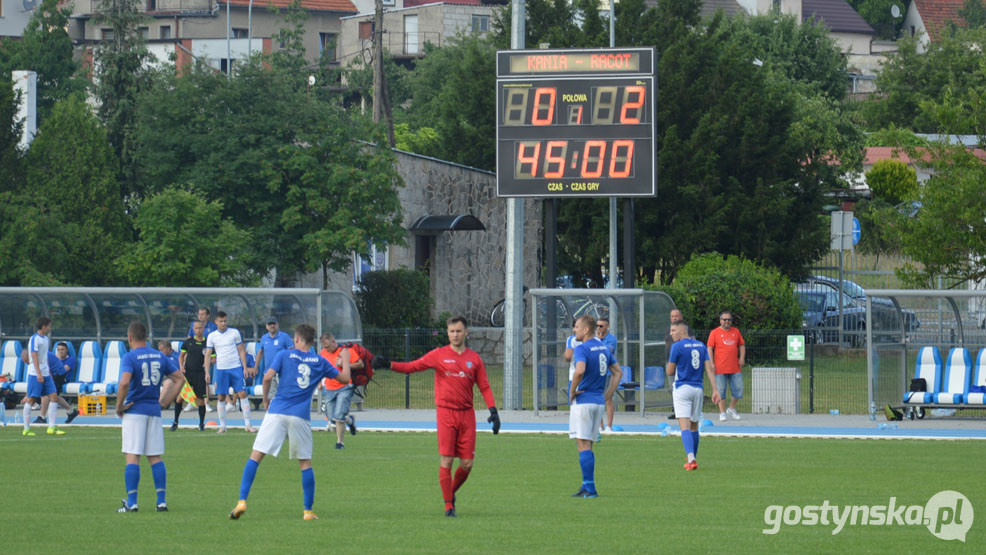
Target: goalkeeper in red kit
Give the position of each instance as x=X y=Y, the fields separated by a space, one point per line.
x=457 y=369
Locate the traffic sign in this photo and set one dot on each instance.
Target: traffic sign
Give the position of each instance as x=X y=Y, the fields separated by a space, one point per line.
x=857 y=231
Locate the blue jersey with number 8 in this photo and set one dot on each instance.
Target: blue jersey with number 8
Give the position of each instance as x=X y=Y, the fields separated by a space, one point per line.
x=147 y=368
x=299 y=374
x=689 y=357
x=597 y=358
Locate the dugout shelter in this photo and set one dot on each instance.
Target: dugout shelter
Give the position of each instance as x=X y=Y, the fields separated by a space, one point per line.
x=638 y=319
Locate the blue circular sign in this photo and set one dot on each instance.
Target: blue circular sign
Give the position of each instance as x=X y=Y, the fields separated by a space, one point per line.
x=856 y=231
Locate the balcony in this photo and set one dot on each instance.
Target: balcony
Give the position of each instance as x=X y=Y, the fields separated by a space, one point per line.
x=149 y=7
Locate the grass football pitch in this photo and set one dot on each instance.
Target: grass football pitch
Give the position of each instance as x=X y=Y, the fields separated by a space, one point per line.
x=381 y=495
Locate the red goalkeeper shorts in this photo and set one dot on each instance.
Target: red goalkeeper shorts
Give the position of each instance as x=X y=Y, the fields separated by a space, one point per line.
x=456 y=433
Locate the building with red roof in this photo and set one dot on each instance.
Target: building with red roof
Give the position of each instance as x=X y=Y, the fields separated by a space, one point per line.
x=926 y=19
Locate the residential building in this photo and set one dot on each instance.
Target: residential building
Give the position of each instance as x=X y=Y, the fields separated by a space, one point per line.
x=926 y=19
x=14 y=15
x=409 y=24
x=176 y=20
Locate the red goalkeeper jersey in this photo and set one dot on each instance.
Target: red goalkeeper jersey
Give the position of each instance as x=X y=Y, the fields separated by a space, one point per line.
x=455 y=375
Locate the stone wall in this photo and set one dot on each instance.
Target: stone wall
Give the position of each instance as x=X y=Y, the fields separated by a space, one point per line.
x=468 y=267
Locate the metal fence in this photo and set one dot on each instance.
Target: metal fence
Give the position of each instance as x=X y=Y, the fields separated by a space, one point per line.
x=832 y=378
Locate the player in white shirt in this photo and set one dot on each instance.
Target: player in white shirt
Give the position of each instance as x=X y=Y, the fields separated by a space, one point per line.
x=231 y=364
x=39 y=381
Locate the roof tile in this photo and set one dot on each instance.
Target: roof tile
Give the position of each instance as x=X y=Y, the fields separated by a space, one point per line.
x=937 y=13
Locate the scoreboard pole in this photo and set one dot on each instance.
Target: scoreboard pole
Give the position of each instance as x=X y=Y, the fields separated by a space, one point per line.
x=513 y=341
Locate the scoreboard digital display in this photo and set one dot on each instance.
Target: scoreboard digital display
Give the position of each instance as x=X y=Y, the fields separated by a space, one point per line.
x=576 y=123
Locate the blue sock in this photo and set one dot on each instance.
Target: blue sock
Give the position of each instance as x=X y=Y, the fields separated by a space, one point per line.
x=587 y=460
x=131 y=477
x=308 y=486
x=249 y=473
x=688 y=441
x=160 y=480
x=695 y=442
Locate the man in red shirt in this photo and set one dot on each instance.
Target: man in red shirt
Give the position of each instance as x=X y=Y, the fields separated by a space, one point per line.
x=727 y=350
x=457 y=369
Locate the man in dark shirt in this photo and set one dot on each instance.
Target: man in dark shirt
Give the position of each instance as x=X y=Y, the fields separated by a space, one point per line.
x=192 y=363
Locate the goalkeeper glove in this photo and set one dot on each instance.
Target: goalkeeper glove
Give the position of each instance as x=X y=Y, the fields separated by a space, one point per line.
x=495 y=419
x=381 y=362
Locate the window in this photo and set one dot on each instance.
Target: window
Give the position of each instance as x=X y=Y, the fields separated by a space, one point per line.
x=239 y=33
x=106 y=34
x=377 y=260
x=165 y=32
x=389 y=2
x=144 y=32
x=480 y=23
x=151 y=5
x=912 y=30
x=327 y=45
x=225 y=63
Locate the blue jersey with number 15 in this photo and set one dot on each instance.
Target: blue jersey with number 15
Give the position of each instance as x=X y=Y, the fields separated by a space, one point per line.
x=147 y=368
x=299 y=374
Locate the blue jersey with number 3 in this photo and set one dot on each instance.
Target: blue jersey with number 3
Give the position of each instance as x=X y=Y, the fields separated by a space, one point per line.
x=147 y=368
x=689 y=357
x=299 y=374
x=597 y=358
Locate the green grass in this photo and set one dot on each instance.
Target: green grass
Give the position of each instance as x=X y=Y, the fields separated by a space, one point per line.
x=381 y=495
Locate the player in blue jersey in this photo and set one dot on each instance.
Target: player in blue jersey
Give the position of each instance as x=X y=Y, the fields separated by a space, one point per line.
x=273 y=342
x=590 y=389
x=139 y=403
x=688 y=360
x=299 y=372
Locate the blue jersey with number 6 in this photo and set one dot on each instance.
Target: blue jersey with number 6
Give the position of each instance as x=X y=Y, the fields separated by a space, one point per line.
x=689 y=357
x=147 y=368
x=597 y=358
x=299 y=374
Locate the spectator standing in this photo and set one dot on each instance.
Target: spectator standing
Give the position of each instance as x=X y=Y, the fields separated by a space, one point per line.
x=728 y=353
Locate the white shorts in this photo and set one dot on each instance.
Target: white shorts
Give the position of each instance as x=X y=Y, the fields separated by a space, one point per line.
x=276 y=427
x=688 y=401
x=584 y=420
x=142 y=435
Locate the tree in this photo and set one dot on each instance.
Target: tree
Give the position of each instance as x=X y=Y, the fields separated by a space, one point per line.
x=892 y=180
x=911 y=83
x=954 y=194
x=341 y=198
x=45 y=49
x=185 y=242
x=121 y=78
x=395 y=299
x=453 y=92
x=878 y=14
x=759 y=298
x=10 y=136
x=263 y=156
x=973 y=12
x=71 y=174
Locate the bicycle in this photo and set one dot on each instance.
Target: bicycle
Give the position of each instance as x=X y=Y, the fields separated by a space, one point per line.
x=566 y=312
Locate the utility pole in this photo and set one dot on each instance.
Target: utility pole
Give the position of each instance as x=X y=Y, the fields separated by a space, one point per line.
x=381 y=99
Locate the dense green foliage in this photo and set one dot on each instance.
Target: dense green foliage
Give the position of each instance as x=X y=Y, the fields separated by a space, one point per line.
x=892 y=181
x=759 y=298
x=185 y=242
x=395 y=299
x=46 y=49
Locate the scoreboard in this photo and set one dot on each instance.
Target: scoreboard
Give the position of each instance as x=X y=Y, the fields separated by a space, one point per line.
x=576 y=123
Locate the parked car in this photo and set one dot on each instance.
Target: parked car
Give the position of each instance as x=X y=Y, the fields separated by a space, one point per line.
x=858 y=294
x=820 y=313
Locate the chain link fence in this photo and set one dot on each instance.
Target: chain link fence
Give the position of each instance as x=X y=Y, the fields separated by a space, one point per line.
x=832 y=378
